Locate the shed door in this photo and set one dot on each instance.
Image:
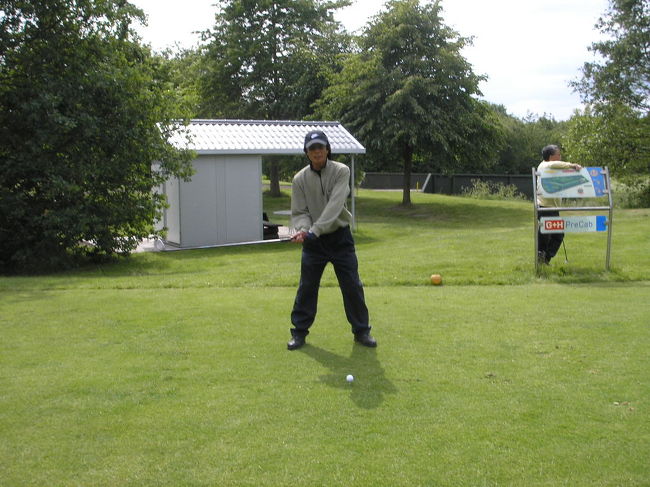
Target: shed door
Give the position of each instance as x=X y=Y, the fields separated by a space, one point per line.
x=223 y=201
x=240 y=207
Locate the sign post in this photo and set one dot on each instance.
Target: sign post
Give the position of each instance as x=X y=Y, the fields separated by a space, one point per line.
x=589 y=182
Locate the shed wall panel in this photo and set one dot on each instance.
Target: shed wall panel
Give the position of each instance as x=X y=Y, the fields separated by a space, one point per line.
x=172 y=216
x=198 y=200
x=243 y=196
x=222 y=203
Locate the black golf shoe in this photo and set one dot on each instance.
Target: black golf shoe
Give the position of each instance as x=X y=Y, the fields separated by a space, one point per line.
x=296 y=342
x=366 y=340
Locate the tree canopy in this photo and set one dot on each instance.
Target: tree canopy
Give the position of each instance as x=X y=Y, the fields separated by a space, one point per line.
x=83 y=114
x=614 y=130
x=410 y=91
x=622 y=77
x=269 y=59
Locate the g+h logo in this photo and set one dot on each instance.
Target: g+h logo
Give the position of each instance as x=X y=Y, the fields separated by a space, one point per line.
x=554 y=225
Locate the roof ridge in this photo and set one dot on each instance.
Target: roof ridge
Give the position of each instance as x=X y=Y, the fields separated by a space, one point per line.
x=262 y=122
x=231 y=136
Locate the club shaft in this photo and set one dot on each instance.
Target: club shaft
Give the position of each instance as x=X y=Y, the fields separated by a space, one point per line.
x=235 y=244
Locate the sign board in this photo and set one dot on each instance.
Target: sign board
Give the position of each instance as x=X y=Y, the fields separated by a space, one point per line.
x=589 y=182
x=556 y=184
x=573 y=224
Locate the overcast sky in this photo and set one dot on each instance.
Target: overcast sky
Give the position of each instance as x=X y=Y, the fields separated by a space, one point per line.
x=529 y=49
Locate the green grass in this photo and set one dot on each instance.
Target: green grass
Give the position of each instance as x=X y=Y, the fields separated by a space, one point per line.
x=172 y=369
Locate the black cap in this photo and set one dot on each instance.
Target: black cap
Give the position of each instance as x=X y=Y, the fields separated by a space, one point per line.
x=316 y=137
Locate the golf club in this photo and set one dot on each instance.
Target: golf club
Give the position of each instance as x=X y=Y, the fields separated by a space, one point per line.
x=255 y=242
x=566 y=258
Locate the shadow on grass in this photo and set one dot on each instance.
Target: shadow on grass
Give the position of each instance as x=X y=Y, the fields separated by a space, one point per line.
x=370 y=384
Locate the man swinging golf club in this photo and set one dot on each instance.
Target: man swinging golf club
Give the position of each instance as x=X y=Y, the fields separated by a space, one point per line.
x=322 y=224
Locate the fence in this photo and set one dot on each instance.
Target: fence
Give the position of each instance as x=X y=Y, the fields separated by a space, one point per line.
x=454 y=184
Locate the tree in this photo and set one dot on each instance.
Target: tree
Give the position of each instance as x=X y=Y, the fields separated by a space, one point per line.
x=614 y=130
x=623 y=77
x=619 y=141
x=409 y=91
x=83 y=114
x=269 y=59
x=182 y=67
x=524 y=140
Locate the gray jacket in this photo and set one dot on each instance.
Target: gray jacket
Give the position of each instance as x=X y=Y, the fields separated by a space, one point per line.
x=318 y=199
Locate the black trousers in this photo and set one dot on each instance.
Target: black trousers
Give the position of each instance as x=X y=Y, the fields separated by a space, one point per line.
x=337 y=248
x=549 y=243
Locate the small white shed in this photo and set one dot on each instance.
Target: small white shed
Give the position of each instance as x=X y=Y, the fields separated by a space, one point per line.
x=222 y=203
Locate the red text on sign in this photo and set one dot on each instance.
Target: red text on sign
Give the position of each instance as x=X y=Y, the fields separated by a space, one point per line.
x=554 y=225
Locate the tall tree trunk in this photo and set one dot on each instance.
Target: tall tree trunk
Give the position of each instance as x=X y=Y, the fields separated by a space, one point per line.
x=274 y=177
x=407 y=157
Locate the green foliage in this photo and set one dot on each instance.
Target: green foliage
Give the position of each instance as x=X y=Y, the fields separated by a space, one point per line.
x=269 y=59
x=524 y=140
x=614 y=130
x=409 y=92
x=182 y=67
x=633 y=194
x=623 y=75
x=287 y=166
x=83 y=113
x=488 y=190
x=619 y=140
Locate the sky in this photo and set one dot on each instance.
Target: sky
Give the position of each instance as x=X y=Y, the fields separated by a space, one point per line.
x=529 y=49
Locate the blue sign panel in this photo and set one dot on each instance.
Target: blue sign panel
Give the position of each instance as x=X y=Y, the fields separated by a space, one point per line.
x=598 y=180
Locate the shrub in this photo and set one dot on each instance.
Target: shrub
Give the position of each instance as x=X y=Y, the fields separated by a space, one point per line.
x=632 y=193
x=487 y=190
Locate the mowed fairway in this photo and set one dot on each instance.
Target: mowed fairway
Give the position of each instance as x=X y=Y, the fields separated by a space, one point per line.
x=172 y=368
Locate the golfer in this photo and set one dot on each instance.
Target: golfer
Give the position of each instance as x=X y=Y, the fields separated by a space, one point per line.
x=549 y=243
x=322 y=224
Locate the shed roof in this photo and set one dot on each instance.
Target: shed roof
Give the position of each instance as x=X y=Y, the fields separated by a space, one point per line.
x=261 y=137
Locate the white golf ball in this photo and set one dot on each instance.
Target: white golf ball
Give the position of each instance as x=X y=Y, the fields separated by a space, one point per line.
x=349 y=378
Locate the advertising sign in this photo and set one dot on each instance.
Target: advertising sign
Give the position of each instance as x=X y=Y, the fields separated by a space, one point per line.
x=557 y=184
x=589 y=182
x=573 y=224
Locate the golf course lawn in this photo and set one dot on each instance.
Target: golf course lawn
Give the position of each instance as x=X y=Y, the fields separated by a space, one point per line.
x=172 y=368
